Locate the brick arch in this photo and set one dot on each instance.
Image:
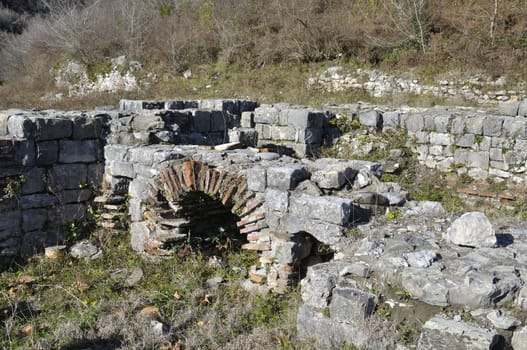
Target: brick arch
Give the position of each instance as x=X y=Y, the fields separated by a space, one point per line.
x=166 y=214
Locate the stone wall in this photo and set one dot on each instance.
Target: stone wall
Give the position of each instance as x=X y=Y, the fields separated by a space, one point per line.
x=51 y=167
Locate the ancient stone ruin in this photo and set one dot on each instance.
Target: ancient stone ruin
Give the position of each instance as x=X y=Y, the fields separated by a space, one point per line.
x=175 y=173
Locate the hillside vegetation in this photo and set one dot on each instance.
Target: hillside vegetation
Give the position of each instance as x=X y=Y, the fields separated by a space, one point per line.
x=171 y=36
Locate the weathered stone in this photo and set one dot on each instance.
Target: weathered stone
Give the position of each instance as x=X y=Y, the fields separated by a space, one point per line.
x=305 y=118
x=522 y=108
x=509 y=108
x=323 y=231
x=47 y=152
x=85 y=250
x=147 y=122
x=422 y=258
x=37 y=201
x=502 y=321
x=71 y=213
x=472 y=159
x=86 y=128
x=474 y=125
x=440 y=333
x=286 y=177
x=84 y=151
x=25 y=152
x=67 y=176
x=276 y=199
x=201 y=121
x=414 y=123
x=492 y=126
x=34 y=219
x=293 y=251
x=426 y=285
x=519 y=339
x=350 y=304
x=125 y=169
x=514 y=128
x=391 y=119
x=318 y=284
x=20 y=126
x=333 y=175
x=371 y=118
x=74 y=196
x=331 y=209
x=33 y=181
x=440 y=139
x=53 y=128
x=472 y=229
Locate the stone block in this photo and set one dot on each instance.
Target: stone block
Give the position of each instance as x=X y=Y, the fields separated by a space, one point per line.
x=514 y=128
x=256 y=179
x=442 y=123
x=443 y=334
x=277 y=200
x=34 y=179
x=286 y=177
x=323 y=231
x=53 y=128
x=458 y=126
x=201 y=121
x=350 y=304
x=334 y=176
x=371 y=118
x=266 y=115
x=74 y=196
x=25 y=152
x=474 y=125
x=335 y=210
x=442 y=139
x=139 y=234
x=318 y=284
x=519 y=339
x=522 y=108
x=95 y=175
x=291 y=252
x=466 y=140
x=41 y=200
x=472 y=229
x=247 y=137
x=391 y=119
x=146 y=122
x=125 y=169
x=264 y=131
x=47 y=152
x=67 y=176
x=10 y=224
x=20 y=126
x=247 y=120
x=34 y=219
x=496 y=154
x=32 y=243
x=492 y=126
x=312 y=136
x=219 y=121
x=472 y=159
x=130 y=105
x=305 y=118
x=140 y=189
x=414 y=122
x=149 y=105
x=83 y=151
x=283 y=133
x=70 y=213
x=116 y=152
x=509 y=108
x=86 y=128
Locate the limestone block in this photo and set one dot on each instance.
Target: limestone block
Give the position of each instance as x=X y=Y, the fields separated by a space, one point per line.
x=443 y=334
x=514 y=128
x=74 y=196
x=509 y=108
x=521 y=301
x=371 y=118
x=139 y=234
x=95 y=175
x=472 y=158
x=283 y=133
x=427 y=285
x=125 y=169
x=266 y=115
x=32 y=242
x=472 y=229
x=292 y=251
x=130 y=105
x=334 y=176
x=146 y=122
x=492 y=126
x=20 y=126
x=219 y=121
x=34 y=219
x=87 y=127
x=515 y=160
x=74 y=212
x=305 y=118
x=442 y=123
x=286 y=177
x=53 y=128
x=496 y=154
x=421 y=258
x=256 y=179
x=276 y=199
x=309 y=136
x=522 y=108
x=247 y=137
x=83 y=151
x=25 y=152
x=391 y=119
x=332 y=209
x=318 y=284
x=474 y=125
x=47 y=152
x=519 y=339
x=264 y=131
x=152 y=105
x=201 y=121
x=33 y=181
x=497 y=165
x=351 y=304
x=10 y=224
x=67 y=176
x=323 y=231
x=414 y=122
x=458 y=126
x=41 y=200
x=247 y=120
x=442 y=139
x=466 y=140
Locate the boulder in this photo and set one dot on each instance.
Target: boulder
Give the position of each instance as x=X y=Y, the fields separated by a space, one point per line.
x=472 y=229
